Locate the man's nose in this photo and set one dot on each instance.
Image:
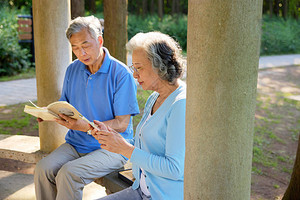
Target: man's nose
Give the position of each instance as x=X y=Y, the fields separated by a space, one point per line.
x=82 y=52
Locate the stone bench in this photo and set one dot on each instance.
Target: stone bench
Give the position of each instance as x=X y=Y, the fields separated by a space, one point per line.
x=27 y=149
x=21 y=147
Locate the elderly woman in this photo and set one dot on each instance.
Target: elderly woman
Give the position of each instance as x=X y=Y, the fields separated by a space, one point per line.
x=158 y=149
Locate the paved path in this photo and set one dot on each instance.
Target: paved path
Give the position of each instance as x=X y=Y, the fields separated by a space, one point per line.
x=279 y=61
x=19 y=91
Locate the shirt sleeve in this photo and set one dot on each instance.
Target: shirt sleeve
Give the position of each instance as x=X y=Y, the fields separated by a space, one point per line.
x=131 y=141
x=171 y=165
x=125 y=102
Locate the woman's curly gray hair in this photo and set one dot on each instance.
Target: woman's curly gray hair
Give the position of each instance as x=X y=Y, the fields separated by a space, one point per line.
x=163 y=52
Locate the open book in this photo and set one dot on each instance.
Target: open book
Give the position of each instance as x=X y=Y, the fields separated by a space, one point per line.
x=52 y=111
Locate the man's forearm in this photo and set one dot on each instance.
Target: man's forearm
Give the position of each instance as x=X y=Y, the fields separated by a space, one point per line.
x=120 y=123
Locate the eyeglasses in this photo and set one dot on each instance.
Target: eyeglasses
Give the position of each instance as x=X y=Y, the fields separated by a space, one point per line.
x=133 y=69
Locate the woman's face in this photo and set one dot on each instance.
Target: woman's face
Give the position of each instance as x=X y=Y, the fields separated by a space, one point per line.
x=145 y=75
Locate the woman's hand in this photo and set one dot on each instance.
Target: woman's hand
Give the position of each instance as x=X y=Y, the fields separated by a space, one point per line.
x=111 y=140
x=75 y=124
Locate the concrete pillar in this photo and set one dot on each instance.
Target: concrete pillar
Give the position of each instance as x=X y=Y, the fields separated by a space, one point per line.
x=223 y=51
x=52 y=56
x=115 y=28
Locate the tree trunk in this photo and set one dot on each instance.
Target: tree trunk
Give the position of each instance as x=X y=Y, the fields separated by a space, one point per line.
x=145 y=7
x=276 y=10
x=77 y=8
x=91 y=4
x=293 y=190
x=160 y=8
x=175 y=6
x=284 y=8
x=271 y=7
x=115 y=32
x=152 y=6
x=173 y=11
x=221 y=93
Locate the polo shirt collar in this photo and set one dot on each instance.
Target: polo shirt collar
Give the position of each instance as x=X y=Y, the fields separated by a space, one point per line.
x=106 y=62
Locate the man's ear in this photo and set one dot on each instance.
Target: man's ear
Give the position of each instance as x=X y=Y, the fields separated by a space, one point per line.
x=100 y=39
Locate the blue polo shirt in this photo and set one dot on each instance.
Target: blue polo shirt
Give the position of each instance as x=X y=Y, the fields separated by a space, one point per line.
x=110 y=92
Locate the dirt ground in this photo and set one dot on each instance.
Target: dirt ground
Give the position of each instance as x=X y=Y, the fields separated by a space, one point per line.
x=271 y=181
x=274 y=86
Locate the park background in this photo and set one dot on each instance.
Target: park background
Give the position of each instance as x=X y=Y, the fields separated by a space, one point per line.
x=277 y=123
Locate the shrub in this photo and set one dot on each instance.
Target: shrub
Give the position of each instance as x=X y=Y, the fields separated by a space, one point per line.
x=13 y=58
x=280 y=36
x=175 y=26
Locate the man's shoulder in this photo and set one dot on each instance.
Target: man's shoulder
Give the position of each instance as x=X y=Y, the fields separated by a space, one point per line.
x=76 y=65
x=119 y=68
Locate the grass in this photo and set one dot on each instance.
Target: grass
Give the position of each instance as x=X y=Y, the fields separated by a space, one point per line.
x=14 y=121
x=272 y=115
x=30 y=73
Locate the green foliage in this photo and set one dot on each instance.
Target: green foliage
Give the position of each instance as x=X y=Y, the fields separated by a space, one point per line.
x=142 y=96
x=173 y=25
x=280 y=36
x=13 y=58
x=294 y=8
x=18 y=4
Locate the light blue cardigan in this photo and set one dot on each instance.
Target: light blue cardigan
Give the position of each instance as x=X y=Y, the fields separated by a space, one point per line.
x=160 y=146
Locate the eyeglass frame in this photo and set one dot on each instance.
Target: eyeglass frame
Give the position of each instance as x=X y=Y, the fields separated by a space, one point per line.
x=133 y=69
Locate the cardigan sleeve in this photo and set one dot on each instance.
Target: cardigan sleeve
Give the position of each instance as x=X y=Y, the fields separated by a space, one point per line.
x=171 y=165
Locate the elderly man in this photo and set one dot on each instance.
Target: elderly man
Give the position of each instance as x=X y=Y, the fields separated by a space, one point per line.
x=101 y=88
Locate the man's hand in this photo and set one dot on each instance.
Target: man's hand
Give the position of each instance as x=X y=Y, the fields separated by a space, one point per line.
x=74 y=124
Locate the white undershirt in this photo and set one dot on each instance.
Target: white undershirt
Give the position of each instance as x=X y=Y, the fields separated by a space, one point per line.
x=143 y=184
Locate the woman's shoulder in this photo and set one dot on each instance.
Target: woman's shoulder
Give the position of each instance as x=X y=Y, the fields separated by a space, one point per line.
x=180 y=92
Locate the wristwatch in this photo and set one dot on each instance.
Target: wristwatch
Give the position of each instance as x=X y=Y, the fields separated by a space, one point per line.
x=90 y=131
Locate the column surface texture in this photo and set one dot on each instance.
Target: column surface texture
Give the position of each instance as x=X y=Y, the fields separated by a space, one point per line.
x=52 y=56
x=223 y=52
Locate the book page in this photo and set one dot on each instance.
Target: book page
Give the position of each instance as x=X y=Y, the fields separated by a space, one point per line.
x=63 y=107
x=40 y=113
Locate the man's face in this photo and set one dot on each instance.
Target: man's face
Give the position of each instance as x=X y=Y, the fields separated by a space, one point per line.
x=86 y=48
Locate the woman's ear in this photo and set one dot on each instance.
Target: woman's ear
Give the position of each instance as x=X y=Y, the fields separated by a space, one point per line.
x=100 y=40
